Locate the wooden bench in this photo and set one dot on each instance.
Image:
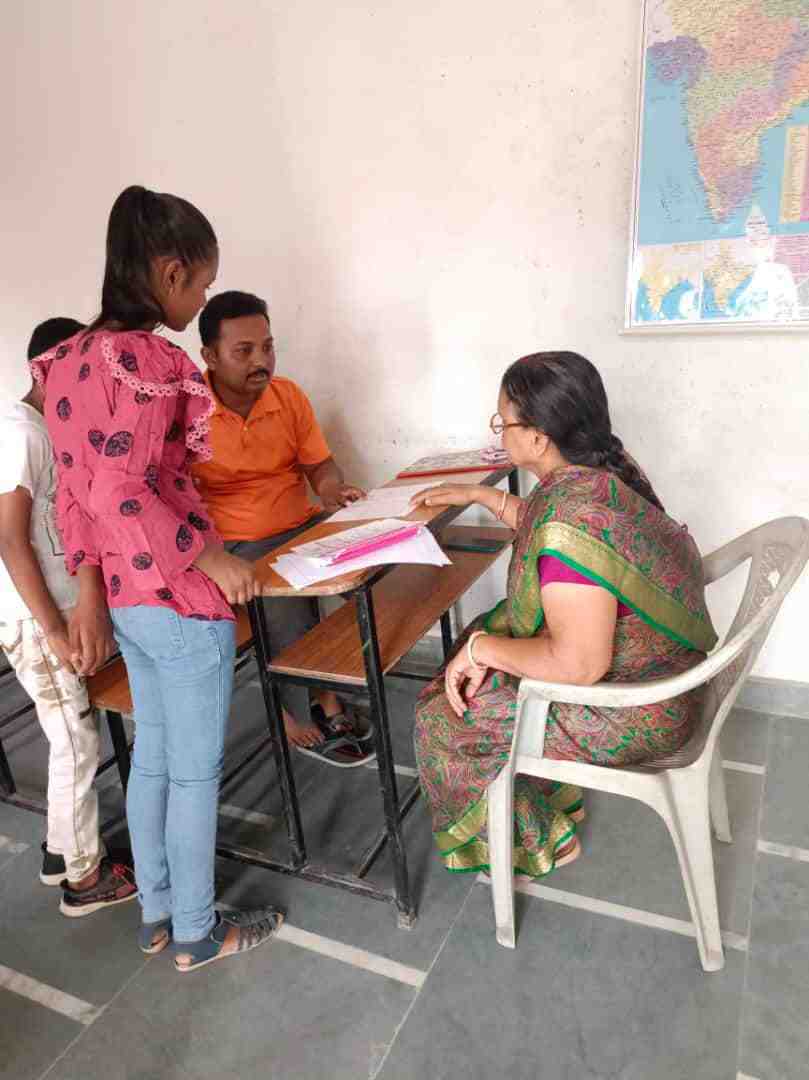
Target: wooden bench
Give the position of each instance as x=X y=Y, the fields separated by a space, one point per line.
x=406 y=604
x=109 y=688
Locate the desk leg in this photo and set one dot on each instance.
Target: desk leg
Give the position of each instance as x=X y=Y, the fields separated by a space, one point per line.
x=384 y=755
x=446 y=634
x=278 y=738
x=6 y=776
x=120 y=746
x=514 y=482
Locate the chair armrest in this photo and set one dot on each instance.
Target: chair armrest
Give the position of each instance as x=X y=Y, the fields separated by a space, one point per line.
x=616 y=694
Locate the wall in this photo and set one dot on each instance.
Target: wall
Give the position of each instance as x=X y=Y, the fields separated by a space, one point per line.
x=424 y=192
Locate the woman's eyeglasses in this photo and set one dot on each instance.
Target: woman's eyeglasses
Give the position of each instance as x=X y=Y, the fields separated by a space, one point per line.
x=498 y=425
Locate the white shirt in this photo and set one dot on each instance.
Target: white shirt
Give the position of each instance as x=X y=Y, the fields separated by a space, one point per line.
x=26 y=460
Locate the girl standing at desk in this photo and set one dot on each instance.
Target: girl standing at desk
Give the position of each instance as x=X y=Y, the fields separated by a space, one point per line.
x=602 y=585
x=128 y=412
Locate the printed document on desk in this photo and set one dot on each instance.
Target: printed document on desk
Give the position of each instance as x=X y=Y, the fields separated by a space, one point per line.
x=387 y=502
x=301 y=571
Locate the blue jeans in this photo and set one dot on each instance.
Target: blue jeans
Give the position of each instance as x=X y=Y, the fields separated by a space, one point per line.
x=181 y=676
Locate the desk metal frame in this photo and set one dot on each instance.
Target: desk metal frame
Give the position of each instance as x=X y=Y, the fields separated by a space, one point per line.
x=395 y=809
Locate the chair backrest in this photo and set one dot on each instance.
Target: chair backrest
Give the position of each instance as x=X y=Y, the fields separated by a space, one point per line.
x=778 y=552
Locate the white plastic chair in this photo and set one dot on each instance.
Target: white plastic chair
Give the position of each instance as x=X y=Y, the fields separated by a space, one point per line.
x=687 y=788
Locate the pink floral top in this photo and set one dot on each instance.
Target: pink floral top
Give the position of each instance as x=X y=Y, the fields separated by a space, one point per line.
x=128 y=412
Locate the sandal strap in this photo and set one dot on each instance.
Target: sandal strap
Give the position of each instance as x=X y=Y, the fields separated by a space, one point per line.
x=254 y=927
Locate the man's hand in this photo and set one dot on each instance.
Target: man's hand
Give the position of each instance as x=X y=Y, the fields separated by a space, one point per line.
x=339 y=495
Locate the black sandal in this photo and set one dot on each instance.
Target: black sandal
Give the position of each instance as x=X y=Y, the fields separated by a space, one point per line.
x=255 y=928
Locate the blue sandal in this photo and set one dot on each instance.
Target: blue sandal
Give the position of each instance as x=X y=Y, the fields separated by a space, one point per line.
x=153 y=937
x=255 y=928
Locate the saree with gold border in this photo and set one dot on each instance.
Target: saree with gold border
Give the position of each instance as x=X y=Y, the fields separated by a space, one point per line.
x=597 y=525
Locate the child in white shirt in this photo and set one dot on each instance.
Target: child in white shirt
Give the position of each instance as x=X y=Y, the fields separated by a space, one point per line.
x=36 y=596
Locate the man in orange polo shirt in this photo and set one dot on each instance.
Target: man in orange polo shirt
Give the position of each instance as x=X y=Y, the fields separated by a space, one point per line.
x=267 y=445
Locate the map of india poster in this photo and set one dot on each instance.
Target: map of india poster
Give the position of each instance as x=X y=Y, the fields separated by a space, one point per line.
x=721 y=212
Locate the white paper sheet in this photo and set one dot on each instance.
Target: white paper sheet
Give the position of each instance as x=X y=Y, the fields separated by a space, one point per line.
x=300 y=571
x=389 y=502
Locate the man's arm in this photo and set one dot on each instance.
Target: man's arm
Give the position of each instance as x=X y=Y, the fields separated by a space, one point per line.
x=23 y=566
x=329 y=484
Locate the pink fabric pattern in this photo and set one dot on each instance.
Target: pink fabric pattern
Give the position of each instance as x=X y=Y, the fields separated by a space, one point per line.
x=128 y=412
x=553 y=569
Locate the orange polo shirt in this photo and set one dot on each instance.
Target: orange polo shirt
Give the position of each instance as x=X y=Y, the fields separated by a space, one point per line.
x=252 y=485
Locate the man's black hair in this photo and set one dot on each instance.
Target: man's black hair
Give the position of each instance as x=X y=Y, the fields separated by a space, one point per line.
x=51 y=333
x=228 y=305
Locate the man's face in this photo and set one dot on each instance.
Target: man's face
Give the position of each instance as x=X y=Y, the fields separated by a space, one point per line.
x=243 y=359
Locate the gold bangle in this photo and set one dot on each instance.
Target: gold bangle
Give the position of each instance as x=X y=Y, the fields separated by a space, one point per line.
x=502 y=509
x=470 y=655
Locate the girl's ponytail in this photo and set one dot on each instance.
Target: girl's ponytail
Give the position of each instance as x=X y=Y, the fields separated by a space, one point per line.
x=144 y=225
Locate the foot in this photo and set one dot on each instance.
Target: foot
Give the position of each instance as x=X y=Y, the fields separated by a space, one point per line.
x=234 y=932
x=109 y=884
x=154 y=937
x=301 y=734
x=53 y=870
x=567 y=854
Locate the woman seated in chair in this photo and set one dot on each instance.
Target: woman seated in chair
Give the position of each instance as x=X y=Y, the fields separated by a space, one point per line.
x=602 y=585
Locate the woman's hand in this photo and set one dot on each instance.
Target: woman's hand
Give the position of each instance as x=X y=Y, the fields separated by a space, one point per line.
x=462 y=681
x=449 y=495
x=234 y=576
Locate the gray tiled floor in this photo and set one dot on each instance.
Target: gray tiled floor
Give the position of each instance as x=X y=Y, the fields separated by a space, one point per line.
x=584 y=996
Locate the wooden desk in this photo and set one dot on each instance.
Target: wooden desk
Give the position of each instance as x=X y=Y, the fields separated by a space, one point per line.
x=360 y=653
x=435 y=517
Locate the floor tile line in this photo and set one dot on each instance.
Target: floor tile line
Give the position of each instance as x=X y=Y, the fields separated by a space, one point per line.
x=82 y=1012
x=412 y=1004
x=99 y=1012
x=744 y=1076
x=786 y=851
x=618 y=911
x=253 y=816
x=350 y=954
x=744 y=766
x=12 y=847
x=400 y=770
x=9 y=850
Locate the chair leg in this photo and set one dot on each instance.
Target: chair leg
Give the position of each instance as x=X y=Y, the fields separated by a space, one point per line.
x=718 y=800
x=500 y=797
x=689 y=824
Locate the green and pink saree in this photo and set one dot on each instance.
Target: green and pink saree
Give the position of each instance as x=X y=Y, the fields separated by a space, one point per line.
x=602 y=529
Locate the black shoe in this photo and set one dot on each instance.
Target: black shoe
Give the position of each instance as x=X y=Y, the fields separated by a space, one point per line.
x=115 y=885
x=53 y=870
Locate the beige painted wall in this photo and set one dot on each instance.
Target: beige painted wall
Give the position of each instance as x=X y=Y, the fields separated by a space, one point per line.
x=423 y=192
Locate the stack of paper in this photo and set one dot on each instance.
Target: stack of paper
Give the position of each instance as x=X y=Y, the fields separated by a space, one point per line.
x=386 y=502
x=376 y=544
